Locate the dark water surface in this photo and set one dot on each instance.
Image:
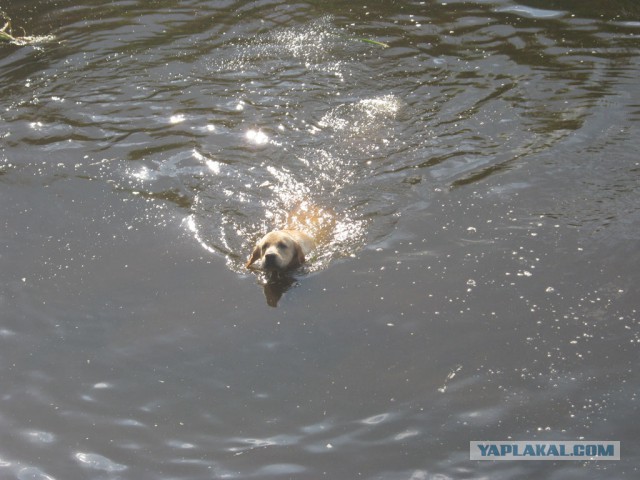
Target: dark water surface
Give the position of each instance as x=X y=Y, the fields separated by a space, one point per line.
x=481 y=282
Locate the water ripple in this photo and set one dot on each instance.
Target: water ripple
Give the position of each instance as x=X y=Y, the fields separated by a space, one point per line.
x=95 y=461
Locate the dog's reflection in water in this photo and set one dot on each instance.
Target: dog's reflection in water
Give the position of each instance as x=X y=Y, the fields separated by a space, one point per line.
x=275 y=285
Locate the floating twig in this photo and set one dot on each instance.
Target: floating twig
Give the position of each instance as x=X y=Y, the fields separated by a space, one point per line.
x=373 y=42
x=361 y=39
x=7 y=36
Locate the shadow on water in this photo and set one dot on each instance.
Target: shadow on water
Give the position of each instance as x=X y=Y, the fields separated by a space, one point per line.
x=275 y=285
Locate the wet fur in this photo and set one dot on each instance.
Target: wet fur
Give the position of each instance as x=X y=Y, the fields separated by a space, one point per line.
x=281 y=250
x=307 y=226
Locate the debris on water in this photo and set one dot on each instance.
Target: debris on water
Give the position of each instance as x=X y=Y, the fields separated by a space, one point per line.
x=7 y=35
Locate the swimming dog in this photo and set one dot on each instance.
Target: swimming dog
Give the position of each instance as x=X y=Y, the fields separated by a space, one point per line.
x=287 y=249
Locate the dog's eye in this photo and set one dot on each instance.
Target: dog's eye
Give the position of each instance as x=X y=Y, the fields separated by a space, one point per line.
x=282 y=245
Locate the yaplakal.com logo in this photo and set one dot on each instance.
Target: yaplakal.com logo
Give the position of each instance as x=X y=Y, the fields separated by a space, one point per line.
x=544 y=450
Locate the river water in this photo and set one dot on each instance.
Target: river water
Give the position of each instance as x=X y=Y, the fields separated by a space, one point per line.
x=480 y=161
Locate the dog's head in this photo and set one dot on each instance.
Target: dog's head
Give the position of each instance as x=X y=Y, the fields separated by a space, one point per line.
x=277 y=251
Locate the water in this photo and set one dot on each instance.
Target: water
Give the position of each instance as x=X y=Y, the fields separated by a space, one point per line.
x=480 y=281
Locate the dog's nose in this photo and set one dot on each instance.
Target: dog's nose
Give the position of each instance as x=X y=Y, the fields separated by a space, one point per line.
x=270 y=260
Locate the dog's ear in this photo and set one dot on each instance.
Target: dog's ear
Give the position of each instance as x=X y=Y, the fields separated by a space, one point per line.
x=254 y=257
x=298 y=258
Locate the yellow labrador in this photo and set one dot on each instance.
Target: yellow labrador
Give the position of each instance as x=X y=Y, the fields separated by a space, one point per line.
x=282 y=250
x=287 y=249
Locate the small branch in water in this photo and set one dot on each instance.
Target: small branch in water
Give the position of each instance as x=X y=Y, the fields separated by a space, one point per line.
x=365 y=40
x=373 y=42
x=7 y=36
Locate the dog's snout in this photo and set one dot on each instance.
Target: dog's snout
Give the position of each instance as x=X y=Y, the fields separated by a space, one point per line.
x=270 y=260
